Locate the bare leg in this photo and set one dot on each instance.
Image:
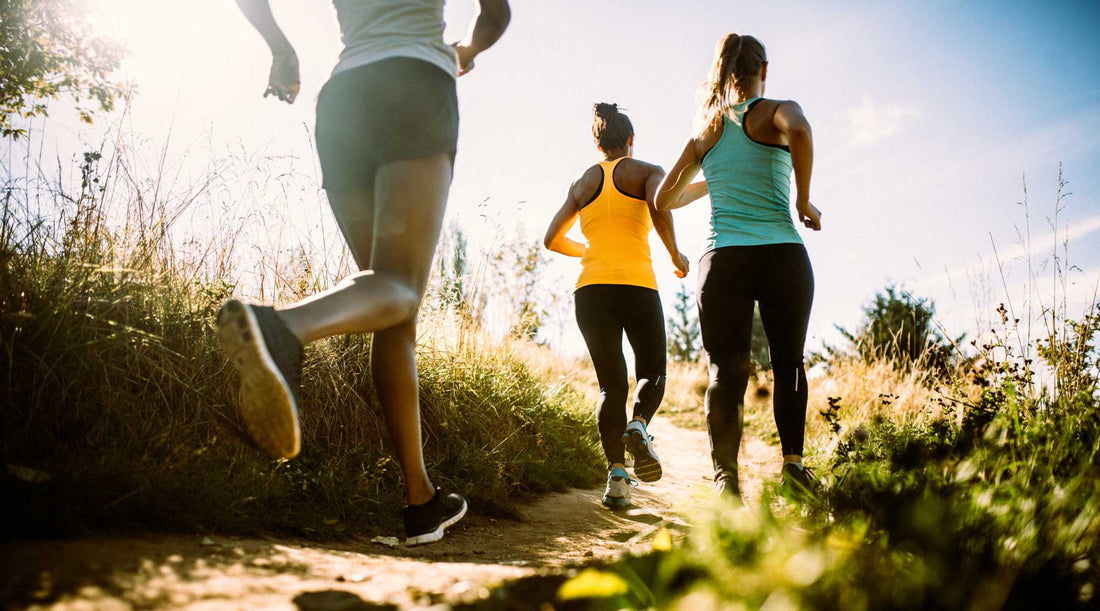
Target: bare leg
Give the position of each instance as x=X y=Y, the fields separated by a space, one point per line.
x=361 y=303
x=406 y=213
x=393 y=365
x=410 y=197
x=393 y=232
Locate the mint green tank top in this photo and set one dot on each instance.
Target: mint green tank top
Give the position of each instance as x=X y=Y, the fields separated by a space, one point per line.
x=750 y=187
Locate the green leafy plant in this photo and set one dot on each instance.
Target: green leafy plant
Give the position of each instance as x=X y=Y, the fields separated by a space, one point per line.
x=47 y=50
x=899 y=328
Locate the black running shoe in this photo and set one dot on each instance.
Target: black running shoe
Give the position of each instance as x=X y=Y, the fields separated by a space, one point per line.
x=800 y=480
x=726 y=486
x=647 y=467
x=269 y=359
x=426 y=523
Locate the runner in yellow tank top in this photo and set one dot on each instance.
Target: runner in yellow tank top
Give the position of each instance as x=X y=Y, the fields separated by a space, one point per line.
x=616 y=227
x=617 y=292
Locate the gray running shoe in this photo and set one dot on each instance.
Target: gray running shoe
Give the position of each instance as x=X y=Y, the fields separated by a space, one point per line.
x=617 y=494
x=647 y=467
x=269 y=359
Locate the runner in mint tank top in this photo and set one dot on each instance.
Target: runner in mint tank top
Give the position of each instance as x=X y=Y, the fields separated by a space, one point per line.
x=747 y=147
x=387 y=132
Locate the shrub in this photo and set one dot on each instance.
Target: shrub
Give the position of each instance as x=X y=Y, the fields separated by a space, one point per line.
x=990 y=502
x=118 y=412
x=897 y=328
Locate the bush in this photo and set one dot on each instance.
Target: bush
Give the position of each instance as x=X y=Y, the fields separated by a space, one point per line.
x=118 y=412
x=989 y=501
x=898 y=328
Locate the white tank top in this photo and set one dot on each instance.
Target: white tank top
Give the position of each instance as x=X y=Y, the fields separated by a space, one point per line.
x=374 y=30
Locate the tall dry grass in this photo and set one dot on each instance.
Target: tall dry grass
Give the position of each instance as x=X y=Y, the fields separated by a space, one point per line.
x=867 y=390
x=970 y=487
x=118 y=412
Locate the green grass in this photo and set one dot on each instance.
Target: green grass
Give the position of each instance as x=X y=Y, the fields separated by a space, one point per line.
x=115 y=394
x=991 y=500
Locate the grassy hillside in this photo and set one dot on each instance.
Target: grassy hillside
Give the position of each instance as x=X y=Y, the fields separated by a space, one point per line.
x=979 y=490
x=119 y=413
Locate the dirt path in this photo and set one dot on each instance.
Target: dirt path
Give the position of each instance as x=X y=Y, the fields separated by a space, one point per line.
x=227 y=573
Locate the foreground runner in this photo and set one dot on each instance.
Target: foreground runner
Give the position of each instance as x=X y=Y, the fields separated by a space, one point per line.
x=617 y=292
x=747 y=147
x=387 y=126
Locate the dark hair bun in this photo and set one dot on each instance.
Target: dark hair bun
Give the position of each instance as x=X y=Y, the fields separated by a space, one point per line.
x=610 y=127
x=606 y=111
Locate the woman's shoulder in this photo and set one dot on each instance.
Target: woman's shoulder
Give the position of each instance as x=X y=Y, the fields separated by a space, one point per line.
x=709 y=135
x=631 y=176
x=774 y=106
x=635 y=165
x=588 y=183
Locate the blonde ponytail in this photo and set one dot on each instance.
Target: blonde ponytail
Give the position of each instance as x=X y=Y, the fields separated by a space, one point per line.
x=736 y=58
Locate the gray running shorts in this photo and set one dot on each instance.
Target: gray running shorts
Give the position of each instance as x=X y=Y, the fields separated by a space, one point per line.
x=391 y=110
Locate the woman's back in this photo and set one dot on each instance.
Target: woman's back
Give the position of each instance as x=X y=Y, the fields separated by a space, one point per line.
x=749 y=184
x=616 y=228
x=380 y=29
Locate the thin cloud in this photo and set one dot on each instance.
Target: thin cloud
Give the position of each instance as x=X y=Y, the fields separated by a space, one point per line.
x=1048 y=240
x=874 y=121
x=1041 y=246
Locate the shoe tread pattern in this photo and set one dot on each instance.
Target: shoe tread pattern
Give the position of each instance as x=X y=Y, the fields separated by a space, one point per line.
x=647 y=467
x=267 y=402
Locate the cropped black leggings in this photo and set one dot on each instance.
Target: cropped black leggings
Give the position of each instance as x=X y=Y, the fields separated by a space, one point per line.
x=604 y=312
x=731 y=279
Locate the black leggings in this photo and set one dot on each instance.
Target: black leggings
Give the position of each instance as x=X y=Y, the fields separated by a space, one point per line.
x=778 y=276
x=604 y=312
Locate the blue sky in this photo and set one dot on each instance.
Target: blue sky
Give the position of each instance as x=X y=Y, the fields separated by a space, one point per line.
x=926 y=116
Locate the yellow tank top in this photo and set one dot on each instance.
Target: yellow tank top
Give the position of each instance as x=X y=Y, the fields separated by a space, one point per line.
x=616 y=229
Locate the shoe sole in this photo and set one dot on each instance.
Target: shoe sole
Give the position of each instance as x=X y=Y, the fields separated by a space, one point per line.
x=267 y=402
x=616 y=502
x=647 y=467
x=438 y=533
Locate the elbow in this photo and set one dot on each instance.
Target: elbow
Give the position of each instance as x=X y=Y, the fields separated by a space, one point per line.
x=663 y=203
x=500 y=15
x=549 y=242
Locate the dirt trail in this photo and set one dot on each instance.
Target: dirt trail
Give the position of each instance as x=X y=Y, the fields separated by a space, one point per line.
x=196 y=572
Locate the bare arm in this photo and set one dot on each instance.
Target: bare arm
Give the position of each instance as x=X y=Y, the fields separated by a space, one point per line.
x=283 y=81
x=486 y=28
x=793 y=124
x=662 y=222
x=677 y=190
x=560 y=225
x=693 y=192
